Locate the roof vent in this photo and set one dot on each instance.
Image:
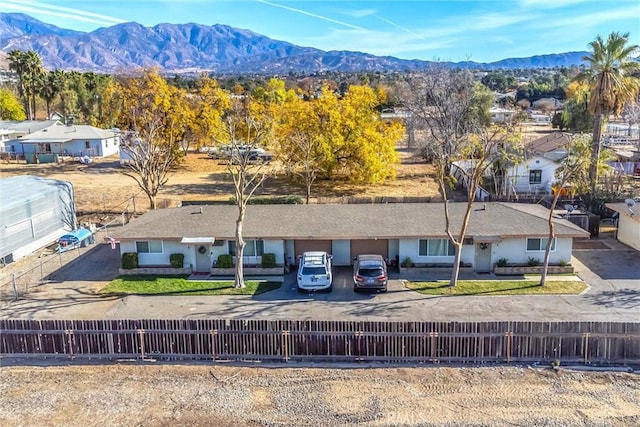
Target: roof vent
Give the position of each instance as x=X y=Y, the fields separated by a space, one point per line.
x=201 y=209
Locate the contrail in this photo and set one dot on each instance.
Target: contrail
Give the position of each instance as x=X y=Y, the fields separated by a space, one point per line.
x=64 y=12
x=313 y=15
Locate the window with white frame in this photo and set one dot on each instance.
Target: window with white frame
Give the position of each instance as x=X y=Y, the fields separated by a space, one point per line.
x=149 y=247
x=251 y=248
x=535 y=176
x=436 y=247
x=539 y=244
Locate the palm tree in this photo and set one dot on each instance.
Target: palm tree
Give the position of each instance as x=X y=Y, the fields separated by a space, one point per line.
x=611 y=85
x=33 y=77
x=53 y=83
x=17 y=63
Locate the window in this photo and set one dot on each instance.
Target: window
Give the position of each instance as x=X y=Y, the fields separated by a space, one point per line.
x=251 y=248
x=436 y=247
x=539 y=245
x=87 y=145
x=149 y=247
x=535 y=176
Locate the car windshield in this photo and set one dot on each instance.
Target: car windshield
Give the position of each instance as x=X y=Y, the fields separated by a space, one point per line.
x=309 y=271
x=371 y=271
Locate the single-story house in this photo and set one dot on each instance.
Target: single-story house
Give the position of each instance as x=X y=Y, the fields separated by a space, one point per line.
x=66 y=140
x=543 y=156
x=10 y=131
x=396 y=231
x=628 y=223
x=34 y=212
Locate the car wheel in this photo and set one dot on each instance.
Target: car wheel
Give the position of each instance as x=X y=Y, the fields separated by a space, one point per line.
x=300 y=289
x=329 y=289
x=356 y=290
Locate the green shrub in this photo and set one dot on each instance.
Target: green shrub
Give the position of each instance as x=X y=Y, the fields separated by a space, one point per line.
x=129 y=260
x=502 y=262
x=176 y=260
x=407 y=262
x=268 y=260
x=533 y=262
x=224 y=261
x=564 y=263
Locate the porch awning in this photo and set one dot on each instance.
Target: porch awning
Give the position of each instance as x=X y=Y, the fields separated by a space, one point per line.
x=198 y=240
x=486 y=239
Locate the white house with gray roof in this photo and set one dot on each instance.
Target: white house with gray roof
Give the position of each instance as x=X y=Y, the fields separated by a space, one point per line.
x=396 y=231
x=69 y=140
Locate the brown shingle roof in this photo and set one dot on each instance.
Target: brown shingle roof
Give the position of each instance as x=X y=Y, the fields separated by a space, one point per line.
x=343 y=221
x=551 y=142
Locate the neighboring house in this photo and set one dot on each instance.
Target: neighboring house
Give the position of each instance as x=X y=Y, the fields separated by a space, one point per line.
x=395 y=230
x=12 y=130
x=502 y=115
x=628 y=223
x=66 y=140
x=34 y=212
x=536 y=174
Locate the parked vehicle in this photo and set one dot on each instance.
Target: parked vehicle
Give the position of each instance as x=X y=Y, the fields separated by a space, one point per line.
x=78 y=238
x=314 y=272
x=370 y=273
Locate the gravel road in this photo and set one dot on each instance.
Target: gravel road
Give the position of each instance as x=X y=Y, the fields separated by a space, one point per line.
x=195 y=395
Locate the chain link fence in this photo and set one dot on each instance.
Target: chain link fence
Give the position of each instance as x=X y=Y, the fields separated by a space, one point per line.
x=39 y=267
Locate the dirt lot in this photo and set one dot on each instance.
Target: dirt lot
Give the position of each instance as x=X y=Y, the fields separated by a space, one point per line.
x=196 y=395
x=101 y=185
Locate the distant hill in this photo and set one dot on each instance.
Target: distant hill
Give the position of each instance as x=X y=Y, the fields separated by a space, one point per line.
x=219 y=49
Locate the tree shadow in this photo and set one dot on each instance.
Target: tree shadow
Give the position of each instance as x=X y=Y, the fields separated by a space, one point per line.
x=622 y=298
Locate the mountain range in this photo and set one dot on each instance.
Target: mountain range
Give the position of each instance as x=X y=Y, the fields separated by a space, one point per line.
x=219 y=49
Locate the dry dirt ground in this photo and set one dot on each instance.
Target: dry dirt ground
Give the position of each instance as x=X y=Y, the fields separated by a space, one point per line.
x=102 y=187
x=198 y=395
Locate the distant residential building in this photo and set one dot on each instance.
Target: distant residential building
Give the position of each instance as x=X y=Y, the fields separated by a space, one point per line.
x=48 y=144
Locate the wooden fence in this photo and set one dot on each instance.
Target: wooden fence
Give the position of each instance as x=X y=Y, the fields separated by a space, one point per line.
x=329 y=341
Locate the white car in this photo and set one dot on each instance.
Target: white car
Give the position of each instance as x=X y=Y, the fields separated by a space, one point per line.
x=314 y=272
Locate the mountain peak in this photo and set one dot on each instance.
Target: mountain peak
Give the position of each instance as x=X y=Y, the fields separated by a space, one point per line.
x=219 y=48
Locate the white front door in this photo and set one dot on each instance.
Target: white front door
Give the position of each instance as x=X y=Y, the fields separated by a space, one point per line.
x=482 y=262
x=203 y=259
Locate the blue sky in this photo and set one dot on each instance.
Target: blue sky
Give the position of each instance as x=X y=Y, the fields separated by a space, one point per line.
x=453 y=30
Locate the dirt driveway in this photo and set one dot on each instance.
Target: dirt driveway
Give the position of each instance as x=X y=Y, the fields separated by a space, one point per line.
x=201 y=395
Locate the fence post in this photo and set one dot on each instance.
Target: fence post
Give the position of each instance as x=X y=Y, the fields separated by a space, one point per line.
x=285 y=345
x=15 y=286
x=141 y=337
x=585 y=338
x=433 y=336
x=509 y=336
x=69 y=333
x=213 y=333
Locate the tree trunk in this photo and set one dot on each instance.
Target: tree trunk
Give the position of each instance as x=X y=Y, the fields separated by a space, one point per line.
x=239 y=279
x=308 y=191
x=595 y=152
x=547 y=249
x=456 y=265
x=152 y=201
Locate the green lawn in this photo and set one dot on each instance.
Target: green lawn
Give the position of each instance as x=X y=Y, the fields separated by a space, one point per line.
x=179 y=285
x=498 y=287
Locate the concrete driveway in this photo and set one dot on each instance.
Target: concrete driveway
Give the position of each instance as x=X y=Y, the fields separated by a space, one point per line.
x=612 y=273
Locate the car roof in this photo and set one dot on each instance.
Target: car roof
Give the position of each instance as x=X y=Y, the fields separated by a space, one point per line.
x=370 y=257
x=314 y=258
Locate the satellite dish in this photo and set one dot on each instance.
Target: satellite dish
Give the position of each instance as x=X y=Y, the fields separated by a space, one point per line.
x=630 y=202
x=569 y=208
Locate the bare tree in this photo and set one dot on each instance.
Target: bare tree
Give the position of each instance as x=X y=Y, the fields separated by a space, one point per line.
x=244 y=133
x=148 y=164
x=451 y=108
x=578 y=158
